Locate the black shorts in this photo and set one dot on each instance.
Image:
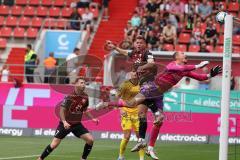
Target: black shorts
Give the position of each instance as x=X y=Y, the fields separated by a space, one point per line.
x=105 y=3
x=76 y=129
x=150 y=103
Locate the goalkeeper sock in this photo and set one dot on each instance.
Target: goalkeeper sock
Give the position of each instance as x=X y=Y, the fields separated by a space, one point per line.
x=123 y=146
x=154 y=135
x=142 y=127
x=141 y=154
x=46 y=152
x=86 y=151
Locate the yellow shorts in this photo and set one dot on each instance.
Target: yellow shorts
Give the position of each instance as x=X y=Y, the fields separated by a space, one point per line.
x=129 y=121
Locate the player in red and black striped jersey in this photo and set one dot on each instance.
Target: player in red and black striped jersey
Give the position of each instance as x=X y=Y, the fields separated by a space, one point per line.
x=139 y=57
x=72 y=108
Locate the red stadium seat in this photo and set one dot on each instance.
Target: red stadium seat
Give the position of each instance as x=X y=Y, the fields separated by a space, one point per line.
x=21 y=2
x=62 y=23
x=11 y=21
x=50 y=23
x=32 y=33
x=69 y=2
x=66 y=12
x=4 y=10
x=181 y=47
x=6 y=32
x=3 y=43
x=184 y=38
x=16 y=10
x=47 y=3
x=219 y=49
x=236 y=39
x=42 y=11
x=220 y=39
x=236 y=49
x=209 y=48
x=1 y=20
x=34 y=2
x=194 y=48
x=37 y=22
x=59 y=3
x=29 y=11
x=19 y=32
x=233 y=7
x=24 y=22
x=168 y=47
x=54 y=12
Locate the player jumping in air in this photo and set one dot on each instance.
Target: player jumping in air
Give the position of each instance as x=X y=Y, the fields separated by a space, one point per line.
x=141 y=56
x=129 y=116
x=164 y=81
x=71 y=111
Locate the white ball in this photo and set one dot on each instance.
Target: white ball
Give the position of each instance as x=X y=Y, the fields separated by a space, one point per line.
x=220 y=17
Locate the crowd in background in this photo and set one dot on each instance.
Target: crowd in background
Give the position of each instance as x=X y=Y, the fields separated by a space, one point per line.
x=162 y=21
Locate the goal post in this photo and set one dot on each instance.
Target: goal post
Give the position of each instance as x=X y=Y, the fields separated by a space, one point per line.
x=225 y=98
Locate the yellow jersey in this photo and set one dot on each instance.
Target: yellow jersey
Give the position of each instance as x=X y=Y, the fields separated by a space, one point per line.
x=127 y=91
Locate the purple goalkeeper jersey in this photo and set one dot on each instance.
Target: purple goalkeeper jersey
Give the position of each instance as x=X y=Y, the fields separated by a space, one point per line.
x=174 y=72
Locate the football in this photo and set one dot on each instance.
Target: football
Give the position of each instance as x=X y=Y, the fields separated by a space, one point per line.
x=220 y=17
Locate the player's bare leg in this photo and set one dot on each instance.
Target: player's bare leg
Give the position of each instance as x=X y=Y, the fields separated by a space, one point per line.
x=88 y=138
x=138 y=99
x=142 y=128
x=54 y=144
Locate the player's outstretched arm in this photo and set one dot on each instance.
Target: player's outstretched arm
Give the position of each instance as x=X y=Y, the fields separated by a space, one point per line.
x=111 y=46
x=201 y=77
x=89 y=115
x=184 y=68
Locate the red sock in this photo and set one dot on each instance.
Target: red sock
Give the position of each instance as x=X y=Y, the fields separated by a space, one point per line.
x=119 y=103
x=154 y=135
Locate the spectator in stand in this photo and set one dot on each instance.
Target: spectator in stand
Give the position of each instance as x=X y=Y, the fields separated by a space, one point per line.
x=143 y=28
x=204 y=85
x=187 y=84
x=73 y=65
x=135 y=20
x=177 y=9
x=203 y=47
x=5 y=73
x=50 y=68
x=152 y=6
x=204 y=10
x=87 y=17
x=191 y=10
x=169 y=34
x=163 y=20
x=127 y=29
x=150 y=17
x=83 y=3
x=73 y=4
x=197 y=33
x=31 y=61
x=105 y=6
x=211 y=35
x=164 y=6
x=75 y=19
x=126 y=45
x=151 y=40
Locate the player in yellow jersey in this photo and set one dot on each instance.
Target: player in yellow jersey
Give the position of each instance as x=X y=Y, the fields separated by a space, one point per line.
x=129 y=116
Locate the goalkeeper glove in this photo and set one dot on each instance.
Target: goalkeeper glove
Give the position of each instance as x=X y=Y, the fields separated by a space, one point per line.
x=215 y=71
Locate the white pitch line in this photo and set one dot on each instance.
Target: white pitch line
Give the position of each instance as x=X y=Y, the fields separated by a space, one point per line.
x=20 y=157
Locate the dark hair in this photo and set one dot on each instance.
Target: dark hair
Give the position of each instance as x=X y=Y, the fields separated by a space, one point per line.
x=139 y=37
x=29 y=46
x=187 y=79
x=175 y=55
x=80 y=78
x=76 y=49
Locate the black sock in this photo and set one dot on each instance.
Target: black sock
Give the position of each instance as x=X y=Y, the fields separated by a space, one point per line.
x=46 y=152
x=86 y=151
x=142 y=127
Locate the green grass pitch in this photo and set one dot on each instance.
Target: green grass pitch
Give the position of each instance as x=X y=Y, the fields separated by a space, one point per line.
x=27 y=148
